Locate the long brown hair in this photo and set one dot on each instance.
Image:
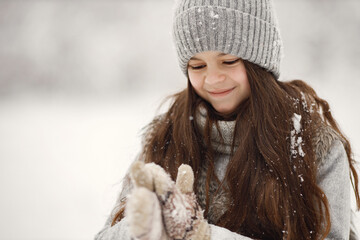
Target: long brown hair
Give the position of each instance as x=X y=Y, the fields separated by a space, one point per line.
x=272 y=184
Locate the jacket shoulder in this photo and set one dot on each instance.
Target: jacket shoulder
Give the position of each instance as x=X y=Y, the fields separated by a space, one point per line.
x=323 y=139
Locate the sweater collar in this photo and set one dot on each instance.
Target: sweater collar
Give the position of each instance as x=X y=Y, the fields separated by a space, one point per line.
x=226 y=131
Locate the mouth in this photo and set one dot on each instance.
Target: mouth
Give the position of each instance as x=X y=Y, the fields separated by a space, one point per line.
x=221 y=92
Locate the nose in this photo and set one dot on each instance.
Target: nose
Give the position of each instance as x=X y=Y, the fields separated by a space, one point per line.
x=214 y=75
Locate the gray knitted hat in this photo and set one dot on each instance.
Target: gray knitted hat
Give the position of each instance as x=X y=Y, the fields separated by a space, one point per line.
x=244 y=28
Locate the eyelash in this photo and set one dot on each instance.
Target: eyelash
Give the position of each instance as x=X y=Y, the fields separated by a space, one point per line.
x=231 y=62
x=197 y=67
x=225 y=62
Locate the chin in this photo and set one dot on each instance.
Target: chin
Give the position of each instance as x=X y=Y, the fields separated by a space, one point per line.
x=225 y=111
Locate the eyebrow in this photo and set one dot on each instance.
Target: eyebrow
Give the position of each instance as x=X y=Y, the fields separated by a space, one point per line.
x=219 y=55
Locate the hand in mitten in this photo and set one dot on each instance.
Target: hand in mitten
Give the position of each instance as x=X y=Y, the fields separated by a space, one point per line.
x=183 y=217
x=143 y=211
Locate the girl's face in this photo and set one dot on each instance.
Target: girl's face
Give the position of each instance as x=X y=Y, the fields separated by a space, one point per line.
x=220 y=79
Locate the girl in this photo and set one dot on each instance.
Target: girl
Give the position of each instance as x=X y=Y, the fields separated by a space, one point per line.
x=258 y=158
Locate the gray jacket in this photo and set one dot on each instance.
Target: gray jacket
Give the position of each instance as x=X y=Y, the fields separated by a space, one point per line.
x=333 y=178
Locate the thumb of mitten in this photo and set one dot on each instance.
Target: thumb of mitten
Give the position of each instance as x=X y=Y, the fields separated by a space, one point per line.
x=185 y=179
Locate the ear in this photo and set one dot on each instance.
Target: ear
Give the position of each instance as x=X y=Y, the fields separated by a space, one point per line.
x=185 y=179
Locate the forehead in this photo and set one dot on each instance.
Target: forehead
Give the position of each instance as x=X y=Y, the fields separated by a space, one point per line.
x=209 y=55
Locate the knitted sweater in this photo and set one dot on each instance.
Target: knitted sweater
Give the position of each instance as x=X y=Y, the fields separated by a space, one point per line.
x=333 y=178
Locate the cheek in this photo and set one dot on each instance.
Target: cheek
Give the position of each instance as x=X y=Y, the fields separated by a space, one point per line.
x=241 y=78
x=246 y=85
x=195 y=81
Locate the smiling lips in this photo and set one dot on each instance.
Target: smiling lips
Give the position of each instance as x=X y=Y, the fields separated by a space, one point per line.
x=221 y=92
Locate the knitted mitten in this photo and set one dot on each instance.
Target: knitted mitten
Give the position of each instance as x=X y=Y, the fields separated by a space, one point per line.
x=143 y=213
x=183 y=217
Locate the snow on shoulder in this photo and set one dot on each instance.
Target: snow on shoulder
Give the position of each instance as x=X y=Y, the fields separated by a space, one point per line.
x=296 y=140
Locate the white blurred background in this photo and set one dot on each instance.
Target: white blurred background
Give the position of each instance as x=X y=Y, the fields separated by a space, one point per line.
x=79 y=79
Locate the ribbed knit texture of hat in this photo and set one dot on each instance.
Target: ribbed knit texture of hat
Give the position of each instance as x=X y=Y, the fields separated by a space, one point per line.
x=244 y=28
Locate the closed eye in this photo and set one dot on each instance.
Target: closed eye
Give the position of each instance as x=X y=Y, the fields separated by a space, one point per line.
x=197 y=67
x=231 y=62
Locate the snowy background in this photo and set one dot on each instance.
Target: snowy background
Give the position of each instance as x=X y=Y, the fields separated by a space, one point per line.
x=79 y=79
